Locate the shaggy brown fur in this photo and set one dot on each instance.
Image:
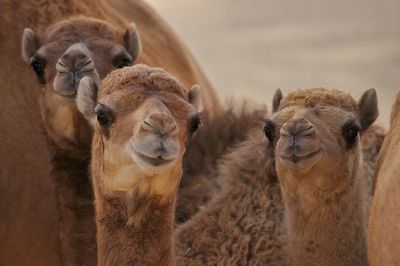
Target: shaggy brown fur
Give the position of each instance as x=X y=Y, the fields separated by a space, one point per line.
x=383 y=231
x=241 y=225
x=29 y=220
x=216 y=136
x=372 y=141
x=244 y=223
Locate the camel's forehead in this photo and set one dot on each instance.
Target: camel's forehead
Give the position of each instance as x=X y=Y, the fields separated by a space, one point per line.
x=322 y=116
x=132 y=97
x=81 y=28
x=148 y=79
x=313 y=98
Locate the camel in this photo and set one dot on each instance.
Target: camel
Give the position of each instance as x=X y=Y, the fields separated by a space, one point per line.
x=68 y=51
x=297 y=198
x=67 y=131
x=383 y=233
x=143 y=119
x=25 y=159
x=220 y=134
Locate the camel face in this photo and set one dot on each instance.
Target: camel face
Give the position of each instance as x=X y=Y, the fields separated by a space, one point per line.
x=308 y=136
x=316 y=133
x=143 y=119
x=62 y=55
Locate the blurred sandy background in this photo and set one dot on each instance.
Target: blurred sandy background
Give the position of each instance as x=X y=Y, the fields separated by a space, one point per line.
x=248 y=48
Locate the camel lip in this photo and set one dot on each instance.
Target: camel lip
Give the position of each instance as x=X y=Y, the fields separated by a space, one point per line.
x=156 y=162
x=297 y=159
x=71 y=94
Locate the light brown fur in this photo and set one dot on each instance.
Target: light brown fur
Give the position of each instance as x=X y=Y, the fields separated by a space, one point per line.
x=135 y=198
x=383 y=231
x=25 y=161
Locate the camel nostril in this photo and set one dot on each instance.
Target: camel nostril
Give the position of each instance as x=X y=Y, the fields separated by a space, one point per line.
x=298 y=127
x=75 y=59
x=147 y=126
x=310 y=131
x=86 y=66
x=159 y=123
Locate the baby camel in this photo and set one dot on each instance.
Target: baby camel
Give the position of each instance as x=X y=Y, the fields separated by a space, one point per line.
x=142 y=119
x=299 y=199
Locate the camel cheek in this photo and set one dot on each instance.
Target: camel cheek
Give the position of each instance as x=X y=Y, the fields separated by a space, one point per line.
x=63 y=122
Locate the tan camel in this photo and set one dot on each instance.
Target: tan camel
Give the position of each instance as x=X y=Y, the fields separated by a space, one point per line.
x=60 y=57
x=221 y=133
x=142 y=119
x=24 y=158
x=383 y=231
x=297 y=200
x=92 y=48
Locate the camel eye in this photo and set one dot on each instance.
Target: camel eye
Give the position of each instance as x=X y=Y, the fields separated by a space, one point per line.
x=38 y=67
x=123 y=63
x=103 y=119
x=269 y=130
x=350 y=134
x=194 y=124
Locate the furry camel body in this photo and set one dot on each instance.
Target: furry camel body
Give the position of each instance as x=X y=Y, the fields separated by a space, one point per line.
x=383 y=231
x=216 y=136
x=25 y=160
x=259 y=216
x=144 y=122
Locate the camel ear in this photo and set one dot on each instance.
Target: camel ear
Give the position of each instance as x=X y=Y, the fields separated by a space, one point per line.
x=29 y=45
x=368 y=109
x=86 y=99
x=276 y=100
x=132 y=41
x=195 y=98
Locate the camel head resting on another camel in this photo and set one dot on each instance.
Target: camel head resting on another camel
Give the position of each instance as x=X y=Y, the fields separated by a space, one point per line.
x=63 y=54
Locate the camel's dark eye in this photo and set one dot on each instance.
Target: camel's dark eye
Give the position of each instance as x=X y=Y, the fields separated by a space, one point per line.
x=194 y=124
x=123 y=63
x=38 y=66
x=350 y=134
x=269 y=130
x=103 y=119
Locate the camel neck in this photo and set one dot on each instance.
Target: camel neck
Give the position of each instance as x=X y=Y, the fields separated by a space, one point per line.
x=331 y=232
x=77 y=230
x=135 y=229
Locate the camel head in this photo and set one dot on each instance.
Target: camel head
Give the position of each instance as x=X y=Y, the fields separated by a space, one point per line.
x=63 y=54
x=142 y=119
x=315 y=135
